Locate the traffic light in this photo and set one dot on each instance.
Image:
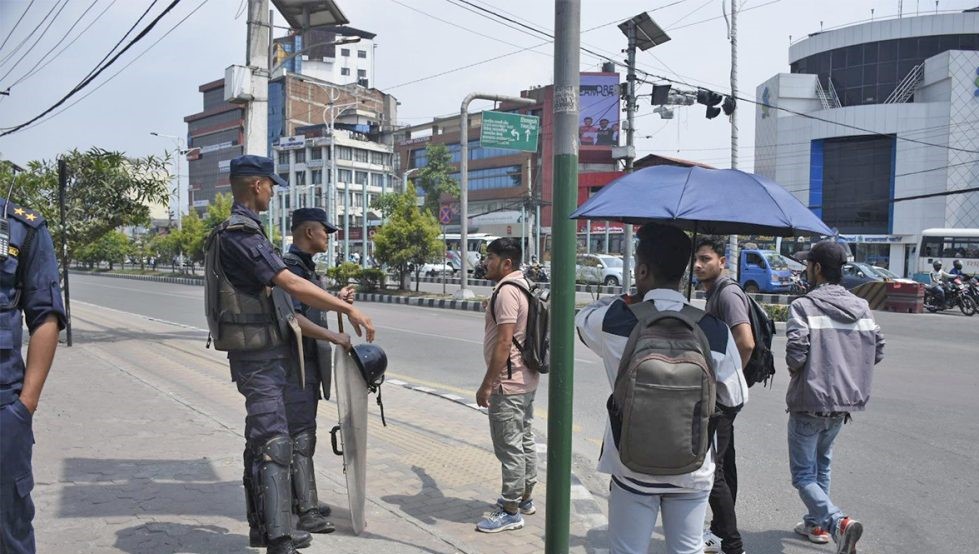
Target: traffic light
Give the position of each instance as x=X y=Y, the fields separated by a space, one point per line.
x=661 y=94
x=729 y=104
x=710 y=99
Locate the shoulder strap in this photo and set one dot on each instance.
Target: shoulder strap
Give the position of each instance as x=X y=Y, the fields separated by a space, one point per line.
x=291 y=257
x=644 y=312
x=496 y=293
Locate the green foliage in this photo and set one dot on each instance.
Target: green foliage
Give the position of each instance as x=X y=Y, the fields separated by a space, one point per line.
x=165 y=246
x=112 y=247
x=409 y=238
x=344 y=273
x=372 y=278
x=191 y=238
x=385 y=203
x=218 y=211
x=778 y=312
x=434 y=178
x=106 y=190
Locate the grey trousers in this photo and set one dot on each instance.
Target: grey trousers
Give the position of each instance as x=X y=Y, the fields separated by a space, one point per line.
x=510 y=418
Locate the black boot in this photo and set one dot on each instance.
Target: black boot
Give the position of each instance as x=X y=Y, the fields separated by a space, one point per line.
x=324 y=510
x=281 y=545
x=256 y=535
x=304 y=485
x=276 y=493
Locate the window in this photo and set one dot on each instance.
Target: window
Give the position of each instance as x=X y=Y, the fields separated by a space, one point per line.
x=343 y=176
x=493 y=178
x=362 y=73
x=377 y=158
x=344 y=153
x=345 y=52
x=283 y=157
x=360 y=178
x=377 y=180
x=300 y=178
x=316 y=154
x=418 y=158
x=362 y=54
x=301 y=156
x=360 y=155
x=317 y=176
x=345 y=71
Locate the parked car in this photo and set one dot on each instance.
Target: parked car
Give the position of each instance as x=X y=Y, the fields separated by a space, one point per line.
x=434 y=269
x=858 y=273
x=889 y=275
x=599 y=269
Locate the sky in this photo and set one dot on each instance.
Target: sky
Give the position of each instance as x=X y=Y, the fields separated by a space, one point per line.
x=416 y=40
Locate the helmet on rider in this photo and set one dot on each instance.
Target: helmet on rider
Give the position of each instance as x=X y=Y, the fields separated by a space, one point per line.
x=957 y=264
x=937 y=264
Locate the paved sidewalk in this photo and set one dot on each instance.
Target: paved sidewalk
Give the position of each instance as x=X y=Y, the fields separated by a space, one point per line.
x=139 y=440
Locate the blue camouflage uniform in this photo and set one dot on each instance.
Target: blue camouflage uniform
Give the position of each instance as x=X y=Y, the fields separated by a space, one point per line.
x=29 y=292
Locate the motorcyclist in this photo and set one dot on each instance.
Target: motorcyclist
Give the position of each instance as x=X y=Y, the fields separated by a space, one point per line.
x=957 y=268
x=938 y=278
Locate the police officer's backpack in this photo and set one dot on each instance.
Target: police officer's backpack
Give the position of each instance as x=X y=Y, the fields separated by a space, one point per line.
x=761 y=366
x=536 y=348
x=664 y=394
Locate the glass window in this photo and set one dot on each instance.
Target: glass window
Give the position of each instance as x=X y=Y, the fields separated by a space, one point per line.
x=362 y=54
x=377 y=158
x=360 y=155
x=300 y=178
x=283 y=157
x=377 y=179
x=870 y=52
x=301 y=156
x=345 y=52
x=854 y=55
x=907 y=49
x=361 y=73
x=316 y=153
x=360 y=178
x=418 y=158
x=493 y=178
x=344 y=71
x=344 y=153
x=887 y=50
x=317 y=176
x=344 y=176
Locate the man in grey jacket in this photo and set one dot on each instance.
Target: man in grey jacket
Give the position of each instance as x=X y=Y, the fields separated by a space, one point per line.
x=832 y=346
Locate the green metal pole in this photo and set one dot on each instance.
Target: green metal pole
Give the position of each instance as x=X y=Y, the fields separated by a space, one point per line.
x=567 y=40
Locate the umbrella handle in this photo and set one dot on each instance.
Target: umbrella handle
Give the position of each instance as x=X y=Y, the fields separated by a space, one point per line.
x=340 y=321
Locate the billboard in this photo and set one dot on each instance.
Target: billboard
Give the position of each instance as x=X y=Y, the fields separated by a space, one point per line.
x=598 y=117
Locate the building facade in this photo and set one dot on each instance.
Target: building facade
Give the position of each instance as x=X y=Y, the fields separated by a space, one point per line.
x=344 y=64
x=875 y=130
x=215 y=135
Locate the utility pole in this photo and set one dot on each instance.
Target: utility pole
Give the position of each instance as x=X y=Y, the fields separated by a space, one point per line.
x=630 y=111
x=732 y=247
x=567 y=42
x=257 y=58
x=62 y=193
x=464 y=293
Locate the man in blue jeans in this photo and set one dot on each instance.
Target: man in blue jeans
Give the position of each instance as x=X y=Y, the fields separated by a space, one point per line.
x=833 y=344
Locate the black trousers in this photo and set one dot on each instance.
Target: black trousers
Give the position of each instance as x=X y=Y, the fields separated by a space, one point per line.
x=725 y=491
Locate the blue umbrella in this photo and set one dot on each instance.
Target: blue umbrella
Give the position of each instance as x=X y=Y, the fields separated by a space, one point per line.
x=713 y=201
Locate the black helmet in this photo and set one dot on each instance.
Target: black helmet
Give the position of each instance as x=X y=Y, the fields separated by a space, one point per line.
x=372 y=362
x=937 y=264
x=957 y=264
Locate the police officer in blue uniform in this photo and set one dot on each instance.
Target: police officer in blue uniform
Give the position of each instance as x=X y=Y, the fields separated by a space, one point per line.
x=310 y=230
x=29 y=293
x=244 y=278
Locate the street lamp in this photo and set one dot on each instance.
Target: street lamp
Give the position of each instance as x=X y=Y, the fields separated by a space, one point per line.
x=330 y=191
x=179 y=141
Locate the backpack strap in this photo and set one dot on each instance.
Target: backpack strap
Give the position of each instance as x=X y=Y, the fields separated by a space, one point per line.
x=646 y=313
x=526 y=289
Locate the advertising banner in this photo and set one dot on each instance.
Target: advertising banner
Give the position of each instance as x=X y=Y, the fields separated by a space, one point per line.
x=598 y=123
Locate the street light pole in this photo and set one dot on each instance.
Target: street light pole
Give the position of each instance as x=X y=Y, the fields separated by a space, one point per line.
x=179 y=141
x=463 y=292
x=330 y=191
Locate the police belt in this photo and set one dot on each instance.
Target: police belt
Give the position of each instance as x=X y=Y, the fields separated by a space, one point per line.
x=8 y=396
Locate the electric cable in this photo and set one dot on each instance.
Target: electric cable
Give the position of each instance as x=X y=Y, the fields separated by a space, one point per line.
x=17 y=23
x=91 y=77
x=113 y=49
x=37 y=40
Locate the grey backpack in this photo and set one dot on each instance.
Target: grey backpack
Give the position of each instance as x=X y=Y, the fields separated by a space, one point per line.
x=664 y=394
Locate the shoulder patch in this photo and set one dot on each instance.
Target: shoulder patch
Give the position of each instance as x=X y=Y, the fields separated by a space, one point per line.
x=27 y=216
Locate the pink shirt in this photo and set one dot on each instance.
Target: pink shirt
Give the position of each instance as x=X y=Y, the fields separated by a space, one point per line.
x=511 y=307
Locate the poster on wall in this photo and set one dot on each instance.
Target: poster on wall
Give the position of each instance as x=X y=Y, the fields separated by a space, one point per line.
x=598 y=117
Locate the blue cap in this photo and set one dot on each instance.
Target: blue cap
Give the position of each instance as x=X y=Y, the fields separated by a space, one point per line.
x=256 y=165
x=302 y=215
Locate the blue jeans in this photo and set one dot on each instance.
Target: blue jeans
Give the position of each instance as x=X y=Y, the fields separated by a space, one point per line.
x=810 y=454
x=632 y=518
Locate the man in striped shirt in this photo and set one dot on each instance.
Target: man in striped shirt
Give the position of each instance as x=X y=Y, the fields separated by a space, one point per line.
x=832 y=345
x=636 y=499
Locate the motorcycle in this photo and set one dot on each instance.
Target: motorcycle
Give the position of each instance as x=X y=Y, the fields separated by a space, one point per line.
x=957 y=293
x=535 y=271
x=479 y=272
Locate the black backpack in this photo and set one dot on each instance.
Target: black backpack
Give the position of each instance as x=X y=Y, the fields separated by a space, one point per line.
x=761 y=365
x=536 y=348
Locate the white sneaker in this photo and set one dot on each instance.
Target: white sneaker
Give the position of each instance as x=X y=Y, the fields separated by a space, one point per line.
x=814 y=533
x=712 y=543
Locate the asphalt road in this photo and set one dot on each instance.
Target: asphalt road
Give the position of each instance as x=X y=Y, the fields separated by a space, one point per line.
x=908 y=467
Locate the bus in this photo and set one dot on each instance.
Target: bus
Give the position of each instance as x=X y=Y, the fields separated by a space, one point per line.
x=477 y=243
x=947 y=245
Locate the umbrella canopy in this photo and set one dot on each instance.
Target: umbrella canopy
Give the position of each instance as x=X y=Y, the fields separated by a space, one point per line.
x=713 y=201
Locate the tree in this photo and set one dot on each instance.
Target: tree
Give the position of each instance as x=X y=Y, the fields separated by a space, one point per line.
x=106 y=190
x=218 y=211
x=408 y=239
x=192 y=236
x=434 y=178
x=165 y=246
x=112 y=247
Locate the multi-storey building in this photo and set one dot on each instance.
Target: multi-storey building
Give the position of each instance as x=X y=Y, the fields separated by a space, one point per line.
x=875 y=130
x=215 y=135
x=323 y=59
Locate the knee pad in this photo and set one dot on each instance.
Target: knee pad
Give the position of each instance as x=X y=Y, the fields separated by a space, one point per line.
x=277 y=450
x=304 y=443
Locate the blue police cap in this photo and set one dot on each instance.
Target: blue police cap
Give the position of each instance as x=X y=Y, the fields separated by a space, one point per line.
x=318 y=215
x=256 y=165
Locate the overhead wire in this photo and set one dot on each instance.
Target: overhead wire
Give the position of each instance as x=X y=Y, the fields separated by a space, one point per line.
x=38 y=39
x=123 y=68
x=41 y=60
x=97 y=72
x=23 y=41
x=16 y=24
x=116 y=45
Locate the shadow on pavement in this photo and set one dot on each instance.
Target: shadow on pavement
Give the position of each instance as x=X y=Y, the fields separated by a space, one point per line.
x=111 y=334
x=776 y=540
x=594 y=542
x=431 y=505
x=170 y=538
x=124 y=487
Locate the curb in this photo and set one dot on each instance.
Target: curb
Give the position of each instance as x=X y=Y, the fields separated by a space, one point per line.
x=442 y=303
x=196 y=281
